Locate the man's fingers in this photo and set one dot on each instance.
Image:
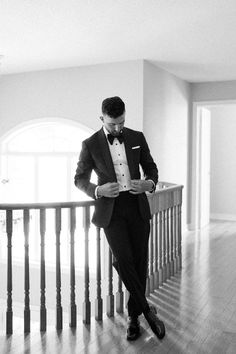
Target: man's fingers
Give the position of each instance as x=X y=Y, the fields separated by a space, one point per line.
x=136 y=186
x=113 y=189
x=133 y=191
x=114 y=186
x=135 y=183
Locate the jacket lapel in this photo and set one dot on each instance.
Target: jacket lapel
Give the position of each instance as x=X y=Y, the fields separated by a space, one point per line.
x=129 y=153
x=106 y=155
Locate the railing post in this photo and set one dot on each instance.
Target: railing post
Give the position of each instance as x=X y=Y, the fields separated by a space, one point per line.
x=98 y=300
x=156 y=272
x=110 y=296
x=175 y=240
x=27 y=280
x=127 y=296
x=43 y=311
x=168 y=243
x=87 y=304
x=58 y=271
x=179 y=238
x=119 y=297
x=171 y=242
x=72 y=309
x=9 y=313
x=151 y=259
x=164 y=246
x=160 y=249
x=147 y=290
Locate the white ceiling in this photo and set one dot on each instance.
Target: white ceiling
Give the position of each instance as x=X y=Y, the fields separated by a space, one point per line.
x=193 y=39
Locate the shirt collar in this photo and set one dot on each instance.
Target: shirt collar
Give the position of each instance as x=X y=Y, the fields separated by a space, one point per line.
x=106 y=132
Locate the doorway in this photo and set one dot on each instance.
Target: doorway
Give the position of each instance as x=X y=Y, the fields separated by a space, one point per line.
x=201 y=163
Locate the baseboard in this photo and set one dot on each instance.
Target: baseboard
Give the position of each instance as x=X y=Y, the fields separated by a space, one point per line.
x=190 y=227
x=227 y=217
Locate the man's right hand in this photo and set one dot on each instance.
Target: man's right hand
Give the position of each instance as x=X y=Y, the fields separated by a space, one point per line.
x=109 y=190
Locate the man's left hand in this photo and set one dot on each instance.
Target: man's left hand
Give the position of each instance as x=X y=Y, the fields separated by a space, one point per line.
x=140 y=186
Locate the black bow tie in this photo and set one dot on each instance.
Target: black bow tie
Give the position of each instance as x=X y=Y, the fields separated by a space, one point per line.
x=111 y=138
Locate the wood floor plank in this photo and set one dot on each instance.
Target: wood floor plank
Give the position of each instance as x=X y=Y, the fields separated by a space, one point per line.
x=198 y=306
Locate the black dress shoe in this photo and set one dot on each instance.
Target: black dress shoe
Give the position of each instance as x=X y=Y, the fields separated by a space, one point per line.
x=133 y=328
x=155 y=323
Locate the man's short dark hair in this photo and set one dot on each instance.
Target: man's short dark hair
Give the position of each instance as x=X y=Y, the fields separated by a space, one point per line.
x=113 y=106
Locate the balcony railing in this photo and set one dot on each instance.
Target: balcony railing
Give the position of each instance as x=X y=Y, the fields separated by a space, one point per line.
x=165 y=258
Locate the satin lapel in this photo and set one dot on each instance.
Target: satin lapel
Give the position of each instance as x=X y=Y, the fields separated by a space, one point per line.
x=129 y=153
x=106 y=155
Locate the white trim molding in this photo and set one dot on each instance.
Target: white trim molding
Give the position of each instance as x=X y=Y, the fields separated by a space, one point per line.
x=226 y=217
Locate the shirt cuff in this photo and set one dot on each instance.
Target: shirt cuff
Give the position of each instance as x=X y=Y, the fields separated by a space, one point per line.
x=153 y=186
x=96 y=193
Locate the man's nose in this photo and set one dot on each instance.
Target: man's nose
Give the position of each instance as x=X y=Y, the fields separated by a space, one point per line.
x=117 y=128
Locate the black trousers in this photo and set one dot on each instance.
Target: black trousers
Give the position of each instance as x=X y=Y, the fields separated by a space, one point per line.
x=127 y=235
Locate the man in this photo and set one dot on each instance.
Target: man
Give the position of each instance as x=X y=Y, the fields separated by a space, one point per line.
x=122 y=210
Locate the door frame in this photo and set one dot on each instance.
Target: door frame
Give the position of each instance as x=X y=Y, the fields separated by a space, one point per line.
x=194 y=168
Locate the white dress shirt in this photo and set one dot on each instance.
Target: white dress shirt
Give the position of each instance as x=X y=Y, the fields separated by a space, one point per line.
x=120 y=163
x=121 y=167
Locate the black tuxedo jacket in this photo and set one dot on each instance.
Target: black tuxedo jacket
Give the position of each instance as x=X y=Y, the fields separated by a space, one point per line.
x=95 y=155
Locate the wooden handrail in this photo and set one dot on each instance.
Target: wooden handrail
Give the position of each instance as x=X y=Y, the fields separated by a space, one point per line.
x=163 y=187
x=52 y=205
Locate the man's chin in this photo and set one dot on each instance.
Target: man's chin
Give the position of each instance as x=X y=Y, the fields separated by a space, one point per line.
x=116 y=134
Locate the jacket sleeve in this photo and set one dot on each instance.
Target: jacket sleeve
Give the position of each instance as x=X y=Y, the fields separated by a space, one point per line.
x=147 y=163
x=83 y=172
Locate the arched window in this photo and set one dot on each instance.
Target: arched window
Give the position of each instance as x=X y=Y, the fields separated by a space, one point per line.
x=37 y=164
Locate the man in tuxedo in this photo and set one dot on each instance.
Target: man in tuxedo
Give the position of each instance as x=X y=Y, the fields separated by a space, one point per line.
x=116 y=153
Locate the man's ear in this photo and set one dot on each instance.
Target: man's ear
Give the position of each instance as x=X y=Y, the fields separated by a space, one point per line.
x=102 y=119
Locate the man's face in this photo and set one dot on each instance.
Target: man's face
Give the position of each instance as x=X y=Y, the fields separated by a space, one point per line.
x=113 y=125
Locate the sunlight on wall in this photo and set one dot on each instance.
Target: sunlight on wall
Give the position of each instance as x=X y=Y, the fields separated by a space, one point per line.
x=37 y=164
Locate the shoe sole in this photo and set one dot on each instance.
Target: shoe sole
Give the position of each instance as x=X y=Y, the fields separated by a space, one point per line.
x=162 y=331
x=161 y=326
x=132 y=338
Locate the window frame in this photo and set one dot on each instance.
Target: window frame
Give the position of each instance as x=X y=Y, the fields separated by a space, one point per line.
x=68 y=155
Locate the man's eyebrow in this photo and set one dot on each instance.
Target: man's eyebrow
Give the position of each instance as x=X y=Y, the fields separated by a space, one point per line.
x=118 y=123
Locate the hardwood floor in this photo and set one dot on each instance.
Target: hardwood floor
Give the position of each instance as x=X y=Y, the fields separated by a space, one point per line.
x=198 y=307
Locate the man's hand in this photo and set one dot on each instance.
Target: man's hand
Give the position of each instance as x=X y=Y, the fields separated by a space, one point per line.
x=109 y=190
x=140 y=185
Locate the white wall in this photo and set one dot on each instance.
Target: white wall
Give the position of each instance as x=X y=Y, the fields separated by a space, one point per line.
x=72 y=93
x=156 y=101
x=166 y=115
x=223 y=163
x=213 y=91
